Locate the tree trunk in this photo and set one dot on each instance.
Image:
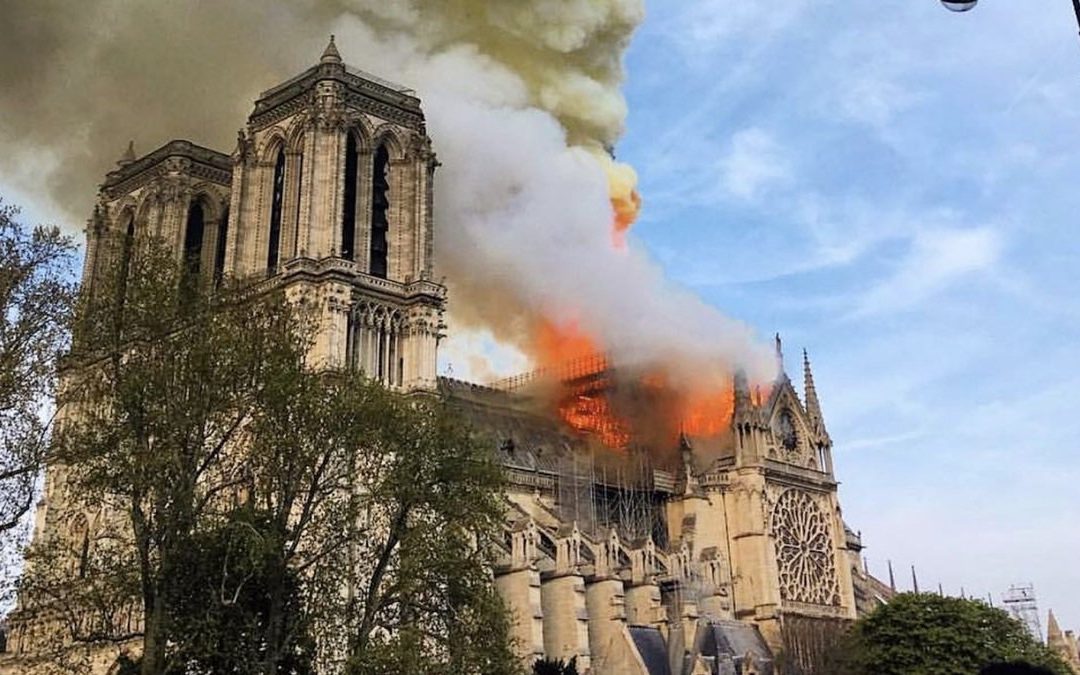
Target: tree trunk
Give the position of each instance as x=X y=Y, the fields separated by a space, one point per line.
x=275 y=624
x=153 y=658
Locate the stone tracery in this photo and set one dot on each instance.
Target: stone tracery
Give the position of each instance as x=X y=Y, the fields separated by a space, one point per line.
x=804 y=550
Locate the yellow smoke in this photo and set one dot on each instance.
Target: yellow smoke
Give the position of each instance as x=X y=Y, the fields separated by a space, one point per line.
x=568 y=54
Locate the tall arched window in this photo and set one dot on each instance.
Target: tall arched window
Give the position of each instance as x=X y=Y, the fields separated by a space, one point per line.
x=380 y=204
x=299 y=193
x=127 y=244
x=219 y=252
x=129 y=237
x=193 y=245
x=84 y=556
x=348 y=215
x=80 y=545
x=275 y=214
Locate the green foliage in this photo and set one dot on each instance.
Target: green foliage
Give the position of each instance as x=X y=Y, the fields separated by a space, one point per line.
x=37 y=293
x=250 y=507
x=220 y=604
x=555 y=667
x=160 y=389
x=1015 y=668
x=925 y=634
x=431 y=497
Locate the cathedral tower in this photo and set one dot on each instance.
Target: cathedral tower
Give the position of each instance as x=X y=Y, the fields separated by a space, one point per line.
x=328 y=194
x=332 y=197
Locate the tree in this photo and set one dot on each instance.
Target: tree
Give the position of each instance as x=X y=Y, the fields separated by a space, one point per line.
x=926 y=634
x=36 y=298
x=161 y=387
x=428 y=495
x=250 y=507
x=231 y=586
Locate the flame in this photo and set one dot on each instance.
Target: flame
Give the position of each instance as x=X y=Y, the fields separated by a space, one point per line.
x=591 y=414
x=557 y=343
x=706 y=413
x=573 y=357
x=585 y=399
x=625 y=198
x=660 y=407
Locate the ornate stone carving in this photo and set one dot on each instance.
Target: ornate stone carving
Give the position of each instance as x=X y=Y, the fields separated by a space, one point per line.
x=420 y=148
x=805 y=553
x=245 y=146
x=327 y=109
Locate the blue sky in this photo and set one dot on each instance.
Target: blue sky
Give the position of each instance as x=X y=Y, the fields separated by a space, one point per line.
x=892 y=186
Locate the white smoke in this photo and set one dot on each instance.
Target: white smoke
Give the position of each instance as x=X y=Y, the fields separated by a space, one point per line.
x=523 y=205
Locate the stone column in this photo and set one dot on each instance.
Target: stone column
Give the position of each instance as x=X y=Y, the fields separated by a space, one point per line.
x=398 y=217
x=233 y=238
x=643 y=606
x=606 y=609
x=290 y=208
x=520 y=590
x=566 y=627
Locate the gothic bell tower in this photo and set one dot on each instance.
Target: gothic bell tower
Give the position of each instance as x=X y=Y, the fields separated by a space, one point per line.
x=791 y=550
x=332 y=198
x=767 y=507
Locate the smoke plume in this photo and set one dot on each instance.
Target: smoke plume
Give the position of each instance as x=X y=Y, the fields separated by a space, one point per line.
x=523 y=103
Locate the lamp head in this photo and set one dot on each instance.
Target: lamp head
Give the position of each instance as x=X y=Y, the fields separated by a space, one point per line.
x=959 y=5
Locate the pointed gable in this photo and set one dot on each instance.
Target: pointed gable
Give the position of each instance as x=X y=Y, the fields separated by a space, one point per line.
x=792 y=438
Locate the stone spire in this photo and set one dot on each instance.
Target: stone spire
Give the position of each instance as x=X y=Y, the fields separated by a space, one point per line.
x=330 y=54
x=742 y=394
x=813 y=406
x=1053 y=630
x=129 y=155
x=1059 y=642
x=686 y=452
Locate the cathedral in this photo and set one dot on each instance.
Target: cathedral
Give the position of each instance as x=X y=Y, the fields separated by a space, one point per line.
x=646 y=561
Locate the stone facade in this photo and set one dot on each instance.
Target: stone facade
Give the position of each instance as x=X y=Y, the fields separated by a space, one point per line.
x=328 y=194
x=746 y=537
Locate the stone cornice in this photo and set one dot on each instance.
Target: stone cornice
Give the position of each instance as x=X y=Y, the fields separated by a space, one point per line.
x=363 y=91
x=349 y=272
x=204 y=163
x=789 y=474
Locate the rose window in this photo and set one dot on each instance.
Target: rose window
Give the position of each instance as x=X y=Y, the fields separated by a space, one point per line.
x=804 y=550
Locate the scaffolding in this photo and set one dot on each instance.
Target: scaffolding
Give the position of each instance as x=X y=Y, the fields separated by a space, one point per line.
x=620 y=496
x=1019 y=601
x=620 y=491
x=581 y=367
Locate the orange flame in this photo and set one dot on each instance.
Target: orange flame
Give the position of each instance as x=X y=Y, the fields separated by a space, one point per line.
x=585 y=401
x=625 y=199
x=557 y=344
x=576 y=360
x=626 y=208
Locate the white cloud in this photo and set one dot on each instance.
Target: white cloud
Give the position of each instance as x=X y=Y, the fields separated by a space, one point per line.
x=476 y=356
x=874 y=101
x=708 y=23
x=937 y=259
x=754 y=162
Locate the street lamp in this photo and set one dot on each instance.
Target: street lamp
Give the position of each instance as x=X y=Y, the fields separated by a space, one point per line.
x=965 y=5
